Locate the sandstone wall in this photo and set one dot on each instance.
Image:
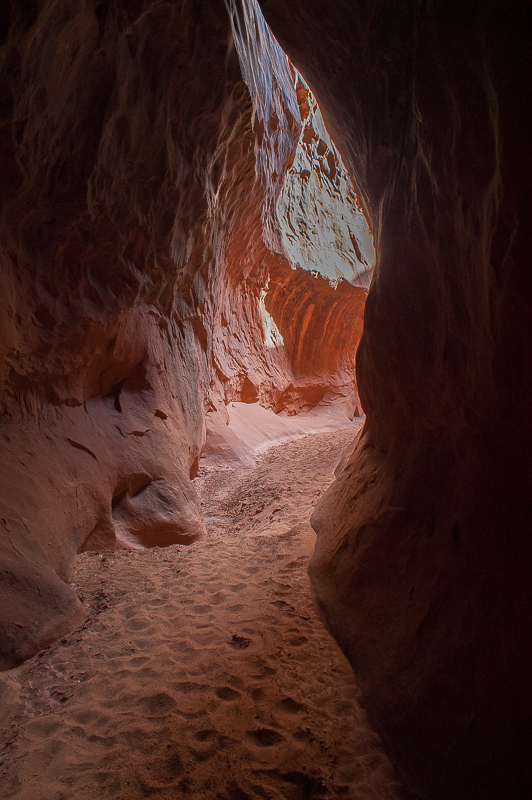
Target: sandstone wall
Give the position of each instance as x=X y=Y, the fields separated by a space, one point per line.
x=422 y=562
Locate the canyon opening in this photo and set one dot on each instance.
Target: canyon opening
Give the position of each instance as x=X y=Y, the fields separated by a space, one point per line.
x=168 y=313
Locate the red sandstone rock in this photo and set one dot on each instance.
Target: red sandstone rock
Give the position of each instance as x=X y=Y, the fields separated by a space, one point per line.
x=424 y=538
x=322 y=227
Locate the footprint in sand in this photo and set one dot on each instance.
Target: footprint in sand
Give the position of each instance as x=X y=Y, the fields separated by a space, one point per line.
x=89 y=716
x=302 y=736
x=160 y=704
x=265 y=737
x=296 y=641
x=202 y=609
x=137 y=624
x=290 y=566
x=106 y=741
x=143 y=740
x=291 y=706
x=219 y=597
x=239 y=642
x=265 y=672
x=185 y=687
x=165 y=768
x=205 y=735
x=226 y=693
x=155 y=602
x=138 y=661
x=42 y=729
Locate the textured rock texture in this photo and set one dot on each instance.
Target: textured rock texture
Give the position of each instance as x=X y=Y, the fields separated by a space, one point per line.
x=307 y=343
x=322 y=226
x=137 y=242
x=424 y=547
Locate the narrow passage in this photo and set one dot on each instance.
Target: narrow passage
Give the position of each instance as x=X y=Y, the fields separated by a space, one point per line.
x=202 y=671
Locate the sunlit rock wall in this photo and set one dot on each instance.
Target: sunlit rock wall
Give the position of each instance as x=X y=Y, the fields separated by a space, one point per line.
x=322 y=226
x=138 y=240
x=311 y=329
x=424 y=546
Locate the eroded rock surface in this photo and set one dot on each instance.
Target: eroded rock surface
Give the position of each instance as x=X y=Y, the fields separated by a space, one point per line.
x=424 y=538
x=138 y=186
x=322 y=225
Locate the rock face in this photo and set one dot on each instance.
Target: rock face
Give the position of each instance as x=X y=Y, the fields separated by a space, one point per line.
x=309 y=341
x=322 y=226
x=143 y=281
x=424 y=546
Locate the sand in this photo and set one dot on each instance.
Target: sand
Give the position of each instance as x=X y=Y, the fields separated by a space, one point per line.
x=201 y=671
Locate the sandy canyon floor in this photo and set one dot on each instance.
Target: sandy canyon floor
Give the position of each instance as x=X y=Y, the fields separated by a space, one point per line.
x=201 y=671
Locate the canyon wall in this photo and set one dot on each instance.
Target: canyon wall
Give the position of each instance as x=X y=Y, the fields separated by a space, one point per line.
x=424 y=546
x=143 y=281
x=322 y=225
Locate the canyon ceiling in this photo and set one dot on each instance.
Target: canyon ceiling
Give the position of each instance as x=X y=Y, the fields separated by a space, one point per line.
x=143 y=149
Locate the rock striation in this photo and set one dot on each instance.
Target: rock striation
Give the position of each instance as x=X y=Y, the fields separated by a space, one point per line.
x=424 y=538
x=143 y=280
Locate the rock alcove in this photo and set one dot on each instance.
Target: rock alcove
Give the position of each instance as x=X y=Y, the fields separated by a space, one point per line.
x=137 y=234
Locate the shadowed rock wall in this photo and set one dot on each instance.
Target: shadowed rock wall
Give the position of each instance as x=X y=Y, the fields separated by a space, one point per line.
x=137 y=234
x=424 y=547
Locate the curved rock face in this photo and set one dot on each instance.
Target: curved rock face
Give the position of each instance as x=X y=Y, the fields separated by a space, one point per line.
x=424 y=540
x=137 y=241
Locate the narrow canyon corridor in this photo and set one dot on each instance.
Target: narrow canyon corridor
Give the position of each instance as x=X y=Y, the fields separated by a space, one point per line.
x=219 y=218
x=202 y=671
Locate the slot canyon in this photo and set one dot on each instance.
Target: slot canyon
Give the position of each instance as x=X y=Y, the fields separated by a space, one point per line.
x=186 y=278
